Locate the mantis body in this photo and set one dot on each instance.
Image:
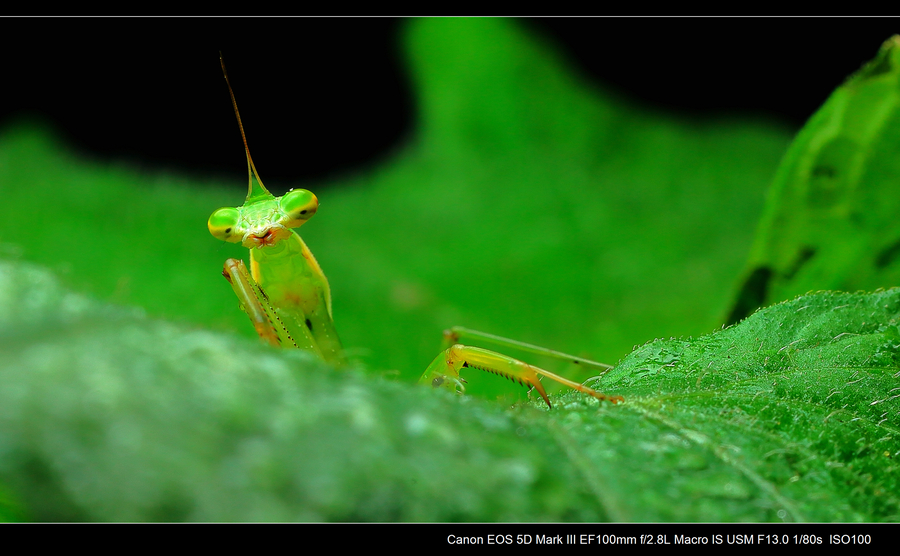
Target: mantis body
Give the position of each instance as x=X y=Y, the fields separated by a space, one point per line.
x=287 y=298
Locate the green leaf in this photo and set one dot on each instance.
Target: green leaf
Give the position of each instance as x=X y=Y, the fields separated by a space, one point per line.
x=107 y=415
x=830 y=220
x=796 y=408
x=531 y=205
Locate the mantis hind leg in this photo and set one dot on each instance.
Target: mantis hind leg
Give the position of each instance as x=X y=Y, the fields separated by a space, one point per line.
x=459 y=334
x=444 y=371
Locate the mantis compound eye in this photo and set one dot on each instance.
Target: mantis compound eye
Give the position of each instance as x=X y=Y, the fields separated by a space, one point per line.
x=223 y=225
x=299 y=205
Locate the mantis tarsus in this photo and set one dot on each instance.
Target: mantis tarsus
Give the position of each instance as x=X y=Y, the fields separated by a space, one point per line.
x=288 y=300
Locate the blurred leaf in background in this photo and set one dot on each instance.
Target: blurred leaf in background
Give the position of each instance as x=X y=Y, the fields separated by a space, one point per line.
x=831 y=215
x=529 y=204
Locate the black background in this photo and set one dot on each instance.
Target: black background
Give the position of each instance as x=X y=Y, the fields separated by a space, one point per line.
x=324 y=96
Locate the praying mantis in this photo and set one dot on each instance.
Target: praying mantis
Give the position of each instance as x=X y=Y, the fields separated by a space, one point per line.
x=287 y=297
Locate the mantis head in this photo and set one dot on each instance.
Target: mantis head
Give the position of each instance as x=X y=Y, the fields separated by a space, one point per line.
x=264 y=219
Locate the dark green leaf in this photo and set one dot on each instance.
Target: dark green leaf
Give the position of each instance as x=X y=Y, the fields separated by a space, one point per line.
x=831 y=216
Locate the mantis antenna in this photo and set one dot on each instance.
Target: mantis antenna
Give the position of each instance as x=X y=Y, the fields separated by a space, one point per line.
x=255 y=189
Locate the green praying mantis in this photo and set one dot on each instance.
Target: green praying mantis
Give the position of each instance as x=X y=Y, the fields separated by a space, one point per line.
x=288 y=300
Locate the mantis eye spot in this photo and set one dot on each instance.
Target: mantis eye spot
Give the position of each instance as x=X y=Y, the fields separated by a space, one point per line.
x=437 y=382
x=222 y=223
x=299 y=205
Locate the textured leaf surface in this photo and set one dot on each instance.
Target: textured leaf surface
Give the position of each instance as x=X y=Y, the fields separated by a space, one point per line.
x=797 y=408
x=107 y=415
